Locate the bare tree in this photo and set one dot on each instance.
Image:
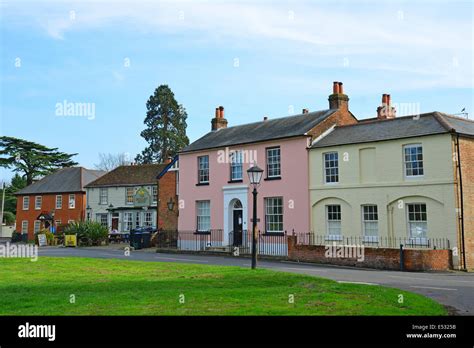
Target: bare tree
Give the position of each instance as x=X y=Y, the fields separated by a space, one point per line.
x=110 y=161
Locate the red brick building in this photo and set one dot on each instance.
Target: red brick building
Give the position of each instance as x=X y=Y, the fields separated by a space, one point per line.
x=55 y=200
x=168 y=193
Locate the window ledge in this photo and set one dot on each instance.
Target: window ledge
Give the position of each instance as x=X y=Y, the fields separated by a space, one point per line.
x=273 y=234
x=202 y=184
x=235 y=181
x=272 y=178
x=203 y=232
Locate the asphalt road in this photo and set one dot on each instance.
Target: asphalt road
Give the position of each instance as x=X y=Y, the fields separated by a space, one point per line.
x=453 y=289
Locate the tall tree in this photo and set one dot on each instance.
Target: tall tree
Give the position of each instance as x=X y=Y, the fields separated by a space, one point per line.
x=165 y=129
x=109 y=161
x=17 y=183
x=30 y=159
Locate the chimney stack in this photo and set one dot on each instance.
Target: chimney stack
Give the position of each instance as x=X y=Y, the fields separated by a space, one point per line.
x=338 y=100
x=305 y=111
x=386 y=110
x=218 y=121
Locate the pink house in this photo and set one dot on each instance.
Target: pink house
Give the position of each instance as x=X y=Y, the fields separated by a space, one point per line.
x=214 y=190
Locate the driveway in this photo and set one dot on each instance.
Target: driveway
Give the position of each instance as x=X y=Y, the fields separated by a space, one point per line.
x=453 y=289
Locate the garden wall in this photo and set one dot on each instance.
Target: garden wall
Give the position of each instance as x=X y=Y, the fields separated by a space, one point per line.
x=380 y=258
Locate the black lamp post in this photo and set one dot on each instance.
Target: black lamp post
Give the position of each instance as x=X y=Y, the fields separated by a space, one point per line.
x=89 y=210
x=255 y=175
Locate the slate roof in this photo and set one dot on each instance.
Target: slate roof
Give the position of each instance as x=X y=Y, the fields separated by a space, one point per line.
x=144 y=174
x=397 y=128
x=270 y=129
x=71 y=179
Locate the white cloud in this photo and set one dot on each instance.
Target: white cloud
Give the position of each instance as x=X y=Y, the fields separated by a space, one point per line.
x=318 y=34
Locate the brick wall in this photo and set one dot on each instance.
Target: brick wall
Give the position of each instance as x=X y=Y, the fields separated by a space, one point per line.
x=466 y=146
x=341 y=117
x=47 y=205
x=379 y=258
x=167 y=220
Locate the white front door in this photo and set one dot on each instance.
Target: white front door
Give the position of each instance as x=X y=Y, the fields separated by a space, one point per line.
x=231 y=195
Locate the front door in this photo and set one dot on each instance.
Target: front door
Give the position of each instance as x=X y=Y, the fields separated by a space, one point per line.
x=115 y=221
x=237 y=227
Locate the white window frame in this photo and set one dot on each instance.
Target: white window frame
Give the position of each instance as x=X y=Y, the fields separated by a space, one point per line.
x=410 y=161
x=148 y=219
x=203 y=216
x=37 y=226
x=332 y=222
x=412 y=223
x=73 y=205
x=154 y=194
x=273 y=218
x=103 y=198
x=138 y=219
x=128 y=196
x=24 y=226
x=100 y=218
x=368 y=220
x=203 y=169
x=328 y=178
x=26 y=203
x=60 y=201
x=236 y=166
x=38 y=199
x=127 y=221
x=273 y=162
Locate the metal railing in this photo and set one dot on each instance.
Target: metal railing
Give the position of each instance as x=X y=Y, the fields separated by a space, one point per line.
x=189 y=240
x=270 y=244
x=310 y=238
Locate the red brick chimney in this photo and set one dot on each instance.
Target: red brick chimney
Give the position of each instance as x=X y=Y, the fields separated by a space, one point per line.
x=219 y=121
x=338 y=100
x=386 y=110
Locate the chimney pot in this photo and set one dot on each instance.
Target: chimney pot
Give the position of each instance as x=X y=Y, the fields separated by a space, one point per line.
x=341 y=89
x=219 y=121
x=265 y=118
x=386 y=110
x=338 y=100
x=305 y=111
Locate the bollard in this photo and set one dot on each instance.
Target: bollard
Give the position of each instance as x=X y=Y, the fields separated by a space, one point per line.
x=402 y=259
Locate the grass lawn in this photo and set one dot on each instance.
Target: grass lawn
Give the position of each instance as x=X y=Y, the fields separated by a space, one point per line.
x=119 y=287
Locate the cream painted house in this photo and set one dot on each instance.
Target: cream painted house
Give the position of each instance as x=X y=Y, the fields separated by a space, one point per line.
x=390 y=178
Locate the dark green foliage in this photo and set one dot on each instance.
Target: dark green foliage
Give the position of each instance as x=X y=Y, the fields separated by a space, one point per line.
x=165 y=129
x=31 y=159
x=88 y=232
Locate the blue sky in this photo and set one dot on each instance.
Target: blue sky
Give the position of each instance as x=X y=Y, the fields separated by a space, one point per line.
x=256 y=58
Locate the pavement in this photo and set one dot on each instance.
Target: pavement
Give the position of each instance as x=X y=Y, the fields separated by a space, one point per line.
x=453 y=289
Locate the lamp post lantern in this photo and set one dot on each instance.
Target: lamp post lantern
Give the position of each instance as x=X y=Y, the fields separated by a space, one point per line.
x=255 y=175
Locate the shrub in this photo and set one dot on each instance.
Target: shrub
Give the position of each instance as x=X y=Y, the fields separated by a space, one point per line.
x=88 y=232
x=16 y=237
x=9 y=218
